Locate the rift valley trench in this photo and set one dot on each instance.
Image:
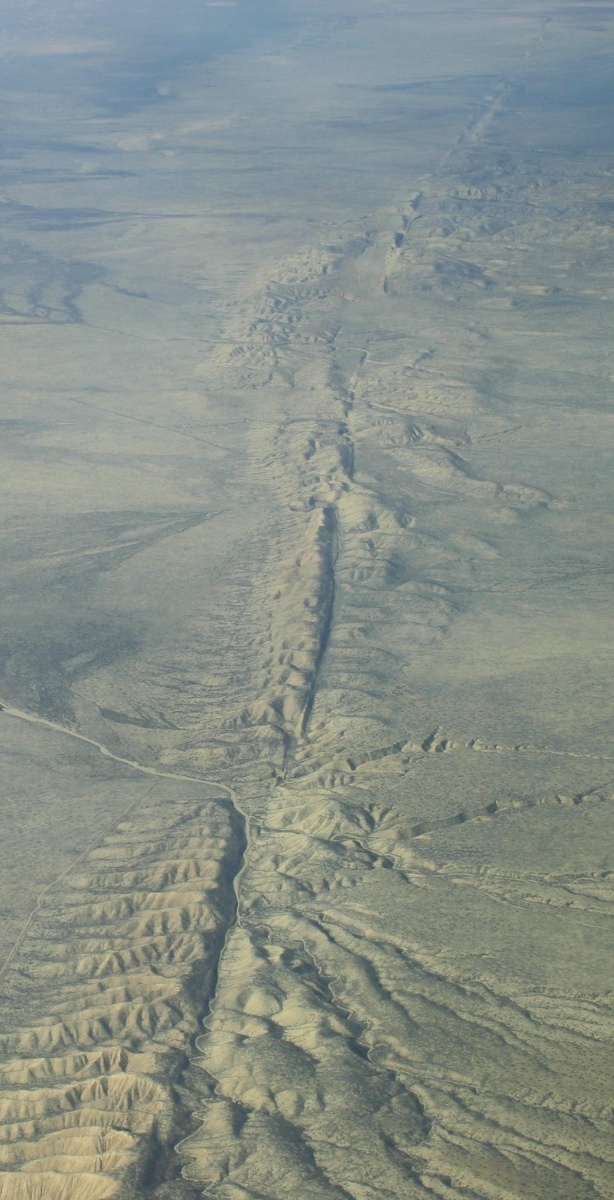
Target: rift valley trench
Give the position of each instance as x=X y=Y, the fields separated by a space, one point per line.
x=345 y=1054
x=19 y=714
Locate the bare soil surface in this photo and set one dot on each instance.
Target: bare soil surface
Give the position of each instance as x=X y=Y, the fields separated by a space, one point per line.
x=305 y=624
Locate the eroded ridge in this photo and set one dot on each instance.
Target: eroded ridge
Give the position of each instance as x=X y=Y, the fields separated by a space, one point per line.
x=411 y=996
x=354 y=1061
x=269 y=1132
x=406 y=1008
x=107 y=993
x=299 y=622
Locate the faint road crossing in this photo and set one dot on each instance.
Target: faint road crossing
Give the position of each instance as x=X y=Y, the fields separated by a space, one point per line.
x=18 y=713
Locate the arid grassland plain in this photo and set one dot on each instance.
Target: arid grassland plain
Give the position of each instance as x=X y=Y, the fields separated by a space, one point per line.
x=306 y=869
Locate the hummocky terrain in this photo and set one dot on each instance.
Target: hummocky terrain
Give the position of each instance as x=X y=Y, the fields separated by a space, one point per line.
x=307 y=870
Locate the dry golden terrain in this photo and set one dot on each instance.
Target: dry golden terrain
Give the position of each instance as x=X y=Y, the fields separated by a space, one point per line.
x=307 y=872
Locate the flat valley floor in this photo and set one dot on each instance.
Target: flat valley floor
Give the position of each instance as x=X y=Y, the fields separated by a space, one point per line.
x=307 y=869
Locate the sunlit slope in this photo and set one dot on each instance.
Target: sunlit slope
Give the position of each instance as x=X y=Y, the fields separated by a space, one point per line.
x=110 y=986
x=406 y=1007
x=374 y=961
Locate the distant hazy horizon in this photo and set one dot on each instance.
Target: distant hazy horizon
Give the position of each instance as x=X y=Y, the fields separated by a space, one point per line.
x=305 y=600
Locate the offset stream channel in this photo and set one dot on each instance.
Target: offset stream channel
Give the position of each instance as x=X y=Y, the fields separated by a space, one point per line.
x=306 y=478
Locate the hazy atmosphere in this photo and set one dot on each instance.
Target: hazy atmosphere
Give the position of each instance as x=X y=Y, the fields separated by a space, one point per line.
x=307 y=501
